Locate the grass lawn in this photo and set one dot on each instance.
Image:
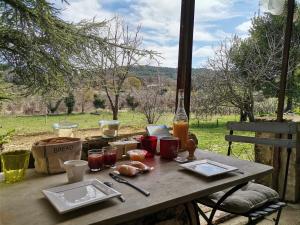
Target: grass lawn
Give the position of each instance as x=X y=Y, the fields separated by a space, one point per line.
x=209 y=134
x=36 y=124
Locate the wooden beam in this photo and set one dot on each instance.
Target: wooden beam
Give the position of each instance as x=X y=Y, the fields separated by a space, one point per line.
x=285 y=59
x=185 y=51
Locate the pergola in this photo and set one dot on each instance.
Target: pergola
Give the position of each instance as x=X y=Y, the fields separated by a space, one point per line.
x=186 y=48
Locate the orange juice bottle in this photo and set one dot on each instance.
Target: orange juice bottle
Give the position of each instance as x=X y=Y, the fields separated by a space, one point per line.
x=180 y=122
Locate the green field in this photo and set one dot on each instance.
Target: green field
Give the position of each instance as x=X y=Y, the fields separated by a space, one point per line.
x=209 y=133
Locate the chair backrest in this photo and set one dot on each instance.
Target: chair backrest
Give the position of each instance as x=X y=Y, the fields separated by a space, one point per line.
x=288 y=128
x=285 y=128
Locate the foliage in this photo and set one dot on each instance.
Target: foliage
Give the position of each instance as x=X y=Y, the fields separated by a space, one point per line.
x=70 y=102
x=98 y=102
x=5 y=87
x=40 y=49
x=267 y=32
x=132 y=102
x=133 y=82
x=245 y=68
x=6 y=137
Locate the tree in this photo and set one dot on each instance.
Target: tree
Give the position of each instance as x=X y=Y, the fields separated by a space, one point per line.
x=52 y=107
x=40 y=49
x=132 y=102
x=70 y=103
x=151 y=103
x=270 y=27
x=98 y=102
x=240 y=69
x=113 y=68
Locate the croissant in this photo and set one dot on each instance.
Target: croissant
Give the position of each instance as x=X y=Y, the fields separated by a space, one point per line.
x=140 y=165
x=127 y=170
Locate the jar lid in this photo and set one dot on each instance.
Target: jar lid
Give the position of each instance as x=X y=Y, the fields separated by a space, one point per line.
x=65 y=125
x=104 y=122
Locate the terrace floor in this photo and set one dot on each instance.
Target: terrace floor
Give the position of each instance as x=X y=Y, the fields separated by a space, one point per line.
x=290 y=216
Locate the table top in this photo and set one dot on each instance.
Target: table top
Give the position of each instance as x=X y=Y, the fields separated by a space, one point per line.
x=169 y=185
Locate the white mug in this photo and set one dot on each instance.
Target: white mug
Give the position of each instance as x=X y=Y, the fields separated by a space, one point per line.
x=75 y=170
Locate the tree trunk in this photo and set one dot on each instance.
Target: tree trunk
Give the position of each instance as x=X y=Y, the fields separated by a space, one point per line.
x=115 y=109
x=289 y=104
x=243 y=115
x=82 y=107
x=115 y=113
x=250 y=116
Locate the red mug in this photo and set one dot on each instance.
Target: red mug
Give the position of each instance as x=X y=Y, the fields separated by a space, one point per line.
x=169 y=147
x=149 y=143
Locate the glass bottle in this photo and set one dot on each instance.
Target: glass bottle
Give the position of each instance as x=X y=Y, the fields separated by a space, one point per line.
x=180 y=122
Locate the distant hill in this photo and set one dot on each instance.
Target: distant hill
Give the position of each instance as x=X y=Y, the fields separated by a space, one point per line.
x=146 y=71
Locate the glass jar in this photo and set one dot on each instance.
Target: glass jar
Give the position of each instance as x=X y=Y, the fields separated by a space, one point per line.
x=109 y=128
x=181 y=122
x=65 y=129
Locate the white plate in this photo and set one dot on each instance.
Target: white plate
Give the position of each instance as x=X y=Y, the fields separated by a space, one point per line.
x=73 y=196
x=208 y=168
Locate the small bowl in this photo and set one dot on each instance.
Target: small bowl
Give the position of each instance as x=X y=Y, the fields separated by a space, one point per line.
x=137 y=154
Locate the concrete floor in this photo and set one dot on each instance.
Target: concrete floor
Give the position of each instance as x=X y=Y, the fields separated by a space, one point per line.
x=290 y=216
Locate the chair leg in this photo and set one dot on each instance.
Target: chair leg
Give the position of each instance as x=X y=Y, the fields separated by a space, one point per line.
x=278 y=216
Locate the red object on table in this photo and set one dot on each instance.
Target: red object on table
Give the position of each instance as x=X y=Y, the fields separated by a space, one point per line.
x=169 y=147
x=149 y=143
x=95 y=161
x=110 y=158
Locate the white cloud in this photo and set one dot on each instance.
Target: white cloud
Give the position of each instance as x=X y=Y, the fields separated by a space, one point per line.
x=169 y=54
x=244 y=27
x=160 y=20
x=85 y=10
x=205 y=51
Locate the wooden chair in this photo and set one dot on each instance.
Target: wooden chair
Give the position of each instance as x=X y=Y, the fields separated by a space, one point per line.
x=226 y=201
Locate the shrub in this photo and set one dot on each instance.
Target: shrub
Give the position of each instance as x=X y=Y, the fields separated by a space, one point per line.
x=70 y=103
x=98 y=102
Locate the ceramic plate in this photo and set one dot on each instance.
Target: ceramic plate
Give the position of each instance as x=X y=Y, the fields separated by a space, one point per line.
x=208 y=168
x=73 y=196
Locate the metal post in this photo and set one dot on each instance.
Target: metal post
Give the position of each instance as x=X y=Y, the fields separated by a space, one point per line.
x=185 y=51
x=285 y=59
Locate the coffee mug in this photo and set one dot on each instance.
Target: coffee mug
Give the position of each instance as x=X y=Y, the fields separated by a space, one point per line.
x=169 y=147
x=75 y=170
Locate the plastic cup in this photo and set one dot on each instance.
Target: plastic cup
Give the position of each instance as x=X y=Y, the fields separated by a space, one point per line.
x=14 y=165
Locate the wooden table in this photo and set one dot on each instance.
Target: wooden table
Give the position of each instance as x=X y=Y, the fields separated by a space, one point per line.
x=169 y=185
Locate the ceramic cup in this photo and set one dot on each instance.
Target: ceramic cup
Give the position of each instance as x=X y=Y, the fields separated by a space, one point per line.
x=169 y=147
x=75 y=170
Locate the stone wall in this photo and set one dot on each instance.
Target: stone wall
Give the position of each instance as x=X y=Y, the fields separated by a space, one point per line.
x=265 y=155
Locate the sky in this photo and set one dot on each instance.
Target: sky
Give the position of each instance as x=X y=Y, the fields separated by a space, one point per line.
x=215 y=20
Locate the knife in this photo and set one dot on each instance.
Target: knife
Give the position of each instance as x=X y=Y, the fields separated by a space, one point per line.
x=122 y=180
